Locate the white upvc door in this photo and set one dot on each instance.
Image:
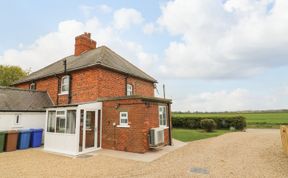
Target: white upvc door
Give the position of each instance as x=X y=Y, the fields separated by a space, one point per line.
x=91 y=130
x=90 y=127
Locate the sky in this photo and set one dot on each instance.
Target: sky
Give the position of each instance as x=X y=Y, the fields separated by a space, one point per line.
x=212 y=55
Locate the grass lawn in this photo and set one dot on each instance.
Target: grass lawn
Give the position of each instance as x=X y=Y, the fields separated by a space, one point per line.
x=187 y=135
x=254 y=120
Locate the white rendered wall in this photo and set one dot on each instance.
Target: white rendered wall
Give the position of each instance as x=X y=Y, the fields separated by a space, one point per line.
x=27 y=120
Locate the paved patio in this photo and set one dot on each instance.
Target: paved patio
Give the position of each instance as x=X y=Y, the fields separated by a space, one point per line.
x=146 y=157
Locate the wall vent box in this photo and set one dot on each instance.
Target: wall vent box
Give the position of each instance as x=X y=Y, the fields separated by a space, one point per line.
x=156 y=137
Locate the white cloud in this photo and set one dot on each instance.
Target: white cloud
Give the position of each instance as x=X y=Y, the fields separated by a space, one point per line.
x=233 y=100
x=124 y=18
x=56 y=45
x=104 y=8
x=224 y=39
x=88 y=10
x=48 y=48
x=150 y=28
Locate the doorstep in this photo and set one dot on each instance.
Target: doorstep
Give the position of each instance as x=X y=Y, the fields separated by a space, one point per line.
x=146 y=157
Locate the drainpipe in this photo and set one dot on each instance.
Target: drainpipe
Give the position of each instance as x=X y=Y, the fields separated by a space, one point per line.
x=170 y=125
x=70 y=81
x=58 y=88
x=126 y=82
x=65 y=66
x=70 y=89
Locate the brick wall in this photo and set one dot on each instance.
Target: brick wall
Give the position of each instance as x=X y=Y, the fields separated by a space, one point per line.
x=91 y=83
x=141 y=118
x=23 y=85
x=113 y=84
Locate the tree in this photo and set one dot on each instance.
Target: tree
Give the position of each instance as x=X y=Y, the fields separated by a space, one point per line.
x=10 y=74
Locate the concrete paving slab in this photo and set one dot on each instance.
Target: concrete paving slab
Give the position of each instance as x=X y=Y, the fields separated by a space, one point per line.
x=144 y=157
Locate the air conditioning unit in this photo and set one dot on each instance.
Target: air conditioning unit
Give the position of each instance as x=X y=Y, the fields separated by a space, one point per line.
x=156 y=137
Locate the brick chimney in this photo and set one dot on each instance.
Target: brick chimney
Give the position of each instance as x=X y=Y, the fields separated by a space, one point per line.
x=84 y=43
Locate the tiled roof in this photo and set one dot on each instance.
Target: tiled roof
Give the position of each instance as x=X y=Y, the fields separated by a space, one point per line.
x=101 y=56
x=15 y=99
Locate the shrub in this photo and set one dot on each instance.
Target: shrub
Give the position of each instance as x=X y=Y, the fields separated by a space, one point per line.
x=239 y=123
x=208 y=124
x=192 y=122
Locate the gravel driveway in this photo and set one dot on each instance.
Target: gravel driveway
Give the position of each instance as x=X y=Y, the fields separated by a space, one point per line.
x=255 y=153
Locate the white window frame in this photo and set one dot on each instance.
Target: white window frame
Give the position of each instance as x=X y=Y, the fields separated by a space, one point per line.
x=65 y=110
x=129 y=89
x=66 y=120
x=121 y=118
x=162 y=116
x=62 y=117
x=32 y=86
x=49 y=121
x=64 y=84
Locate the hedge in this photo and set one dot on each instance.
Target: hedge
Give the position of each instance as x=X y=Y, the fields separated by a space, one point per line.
x=192 y=122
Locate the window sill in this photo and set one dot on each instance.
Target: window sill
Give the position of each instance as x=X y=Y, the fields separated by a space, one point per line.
x=63 y=93
x=163 y=127
x=123 y=126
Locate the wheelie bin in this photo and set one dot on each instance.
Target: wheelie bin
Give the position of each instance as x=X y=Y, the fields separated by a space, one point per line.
x=2 y=140
x=36 y=137
x=11 y=140
x=24 y=139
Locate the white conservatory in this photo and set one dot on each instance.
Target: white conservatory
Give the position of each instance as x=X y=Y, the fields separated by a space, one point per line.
x=73 y=129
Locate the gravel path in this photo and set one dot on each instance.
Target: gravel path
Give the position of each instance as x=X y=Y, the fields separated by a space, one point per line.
x=255 y=153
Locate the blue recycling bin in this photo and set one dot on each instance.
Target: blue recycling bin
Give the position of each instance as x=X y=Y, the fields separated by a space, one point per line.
x=36 y=137
x=24 y=139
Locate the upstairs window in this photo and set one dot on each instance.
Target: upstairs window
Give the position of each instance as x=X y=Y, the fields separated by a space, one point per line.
x=32 y=86
x=129 y=89
x=65 y=85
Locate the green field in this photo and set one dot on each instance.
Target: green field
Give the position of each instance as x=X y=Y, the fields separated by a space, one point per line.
x=186 y=135
x=254 y=120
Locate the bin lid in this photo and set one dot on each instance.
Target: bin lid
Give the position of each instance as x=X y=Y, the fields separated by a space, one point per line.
x=3 y=131
x=36 y=130
x=12 y=131
x=24 y=130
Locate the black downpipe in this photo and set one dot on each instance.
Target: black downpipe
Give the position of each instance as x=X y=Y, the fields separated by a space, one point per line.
x=58 y=89
x=169 y=122
x=65 y=66
x=70 y=81
x=126 y=82
x=70 y=89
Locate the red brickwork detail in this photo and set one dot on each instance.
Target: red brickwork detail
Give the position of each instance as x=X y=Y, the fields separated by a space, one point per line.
x=84 y=43
x=23 y=85
x=141 y=117
x=91 y=83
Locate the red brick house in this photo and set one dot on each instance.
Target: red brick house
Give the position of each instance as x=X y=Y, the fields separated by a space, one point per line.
x=100 y=100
